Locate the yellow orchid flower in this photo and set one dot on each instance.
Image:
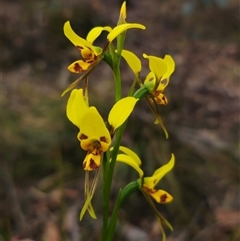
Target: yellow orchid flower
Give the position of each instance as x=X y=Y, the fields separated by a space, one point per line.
x=159 y=75
x=91 y=55
x=94 y=136
x=156 y=80
x=161 y=70
x=148 y=184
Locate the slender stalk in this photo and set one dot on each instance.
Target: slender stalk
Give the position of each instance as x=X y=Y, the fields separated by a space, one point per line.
x=105 y=197
x=116 y=72
x=123 y=194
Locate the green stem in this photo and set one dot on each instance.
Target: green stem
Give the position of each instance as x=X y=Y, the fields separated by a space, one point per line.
x=105 y=196
x=123 y=194
x=116 y=72
x=108 y=176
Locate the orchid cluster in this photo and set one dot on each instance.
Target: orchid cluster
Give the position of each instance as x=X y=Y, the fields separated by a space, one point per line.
x=101 y=139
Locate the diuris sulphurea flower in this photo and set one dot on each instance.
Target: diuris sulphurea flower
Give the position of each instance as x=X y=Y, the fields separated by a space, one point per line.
x=155 y=82
x=94 y=136
x=91 y=54
x=147 y=185
x=161 y=70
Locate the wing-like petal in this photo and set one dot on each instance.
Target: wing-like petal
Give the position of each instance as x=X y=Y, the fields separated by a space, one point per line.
x=121 y=28
x=95 y=32
x=131 y=162
x=73 y=37
x=76 y=106
x=131 y=153
x=132 y=60
x=156 y=65
x=121 y=111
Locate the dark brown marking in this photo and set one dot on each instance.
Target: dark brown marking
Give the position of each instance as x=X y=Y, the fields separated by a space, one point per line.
x=83 y=137
x=103 y=139
x=163 y=198
x=164 y=81
x=77 y=67
x=93 y=165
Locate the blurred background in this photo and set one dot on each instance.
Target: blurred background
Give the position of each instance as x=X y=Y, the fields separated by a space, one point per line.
x=42 y=179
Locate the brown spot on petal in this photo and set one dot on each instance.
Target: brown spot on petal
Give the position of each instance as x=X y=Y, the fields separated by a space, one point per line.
x=163 y=198
x=84 y=165
x=103 y=139
x=151 y=79
x=77 y=67
x=164 y=81
x=93 y=165
x=164 y=100
x=83 y=137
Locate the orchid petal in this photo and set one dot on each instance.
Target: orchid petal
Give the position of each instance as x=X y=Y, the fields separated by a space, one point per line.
x=121 y=111
x=170 y=67
x=95 y=32
x=150 y=81
x=150 y=182
x=132 y=60
x=93 y=128
x=76 y=106
x=160 y=196
x=130 y=161
x=73 y=37
x=156 y=65
x=79 y=66
x=130 y=153
x=121 y=28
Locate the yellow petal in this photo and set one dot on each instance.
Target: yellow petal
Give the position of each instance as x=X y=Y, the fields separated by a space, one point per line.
x=131 y=162
x=161 y=99
x=95 y=32
x=93 y=126
x=156 y=65
x=73 y=37
x=131 y=153
x=160 y=172
x=76 y=106
x=170 y=67
x=121 y=111
x=150 y=81
x=160 y=196
x=132 y=60
x=91 y=162
x=121 y=28
x=150 y=182
x=79 y=66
